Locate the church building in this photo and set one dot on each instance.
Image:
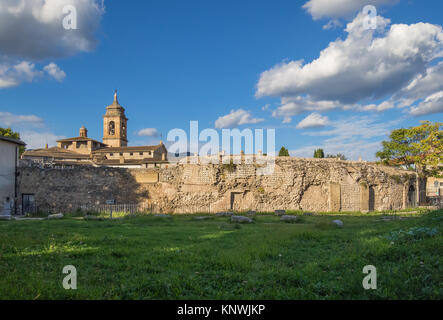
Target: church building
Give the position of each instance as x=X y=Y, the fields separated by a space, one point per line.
x=113 y=151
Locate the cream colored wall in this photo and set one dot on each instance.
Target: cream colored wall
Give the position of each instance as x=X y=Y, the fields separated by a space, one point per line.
x=430 y=187
x=127 y=155
x=83 y=148
x=8 y=157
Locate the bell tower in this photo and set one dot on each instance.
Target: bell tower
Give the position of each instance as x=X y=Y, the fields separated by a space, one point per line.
x=115 y=125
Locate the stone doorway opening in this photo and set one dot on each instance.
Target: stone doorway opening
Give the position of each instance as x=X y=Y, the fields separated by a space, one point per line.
x=236 y=201
x=412 y=197
x=371 y=198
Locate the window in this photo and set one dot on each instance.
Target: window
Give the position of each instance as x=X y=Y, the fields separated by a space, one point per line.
x=131 y=154
x=111 y=128
x=121 y=153
x=28 y=203
x=111 y=154
x=140 y=153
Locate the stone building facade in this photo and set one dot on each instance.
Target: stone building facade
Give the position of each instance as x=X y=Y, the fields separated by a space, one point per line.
x=113 y=151
x=318 y=185
x=9 y=151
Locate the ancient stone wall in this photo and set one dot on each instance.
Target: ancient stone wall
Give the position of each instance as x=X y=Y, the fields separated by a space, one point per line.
x=296 y=184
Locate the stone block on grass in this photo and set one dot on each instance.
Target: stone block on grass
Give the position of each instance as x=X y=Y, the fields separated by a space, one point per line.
x=241 y=219
x=202 y=218
x=56 y=216
x=338 y=223
x=224 y=214
x=289 y=219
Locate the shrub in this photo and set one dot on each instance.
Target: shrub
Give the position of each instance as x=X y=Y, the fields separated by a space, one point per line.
x=413 y=234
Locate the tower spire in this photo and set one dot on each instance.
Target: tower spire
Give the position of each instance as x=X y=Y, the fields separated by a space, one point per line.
x=115 y=97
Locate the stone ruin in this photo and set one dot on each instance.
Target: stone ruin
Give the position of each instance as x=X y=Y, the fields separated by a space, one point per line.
x=315 y=185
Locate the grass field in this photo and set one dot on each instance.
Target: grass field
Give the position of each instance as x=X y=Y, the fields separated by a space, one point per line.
x=149 y=257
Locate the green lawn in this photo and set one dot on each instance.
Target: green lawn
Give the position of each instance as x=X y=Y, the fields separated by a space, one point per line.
x=151 y=257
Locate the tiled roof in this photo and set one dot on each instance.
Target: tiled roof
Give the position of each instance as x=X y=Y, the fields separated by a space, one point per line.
x=108 y=162
x=127 y=149
x=55 y=152
x=79 y=139
x=12 y=140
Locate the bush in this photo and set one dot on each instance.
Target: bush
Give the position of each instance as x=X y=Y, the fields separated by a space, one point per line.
x=413 y=234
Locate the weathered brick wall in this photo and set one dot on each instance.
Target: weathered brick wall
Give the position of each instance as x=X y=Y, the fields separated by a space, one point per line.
x=306 y=184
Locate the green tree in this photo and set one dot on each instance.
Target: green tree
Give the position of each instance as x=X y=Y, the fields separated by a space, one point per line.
x=319 y=153
x=283 y=152
x=419 y=148
x=11 y=134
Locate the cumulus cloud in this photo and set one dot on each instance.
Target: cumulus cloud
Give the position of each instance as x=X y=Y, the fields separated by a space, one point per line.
x=293 y=106
x=335 y=9
x=8 y=119
x=368 y=65
x=432 y=104
x=12 y=75
x=54 y=71
x=32 y=31
x=314 y=120
x=236 y=118
x=357 y=136
x=148 y=132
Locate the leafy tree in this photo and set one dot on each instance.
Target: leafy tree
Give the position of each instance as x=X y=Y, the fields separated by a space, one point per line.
x=338 y=155
x=419 y=148
x=283 y=152
x=319 y=153
x=11 y=134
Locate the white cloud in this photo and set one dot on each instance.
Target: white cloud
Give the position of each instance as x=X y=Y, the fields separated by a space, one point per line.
x=362 y=127
x=148 y=132
x=36 y=140
x=266 y=107
x=354 y=137
x=33 y=29
x=236 y=118
x=432 y=104
x=298 y=105
x=366 y=66
x=54 y=71
x=314 y=120
x=12 y=75
x=8 y=119
x=334 y=9
x=32 y=129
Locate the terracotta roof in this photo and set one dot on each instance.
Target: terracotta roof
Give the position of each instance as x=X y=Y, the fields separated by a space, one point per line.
x=108 y=162
x=12 y=140
x=127 y=149
x=73 y=163
x=79 y=139
x=55 y=152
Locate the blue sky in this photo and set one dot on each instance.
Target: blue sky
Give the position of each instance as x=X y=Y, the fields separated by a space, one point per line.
x=225 y=64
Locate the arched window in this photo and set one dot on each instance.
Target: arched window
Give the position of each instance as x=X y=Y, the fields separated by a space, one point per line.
x=123 y=129
x=111 y=128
